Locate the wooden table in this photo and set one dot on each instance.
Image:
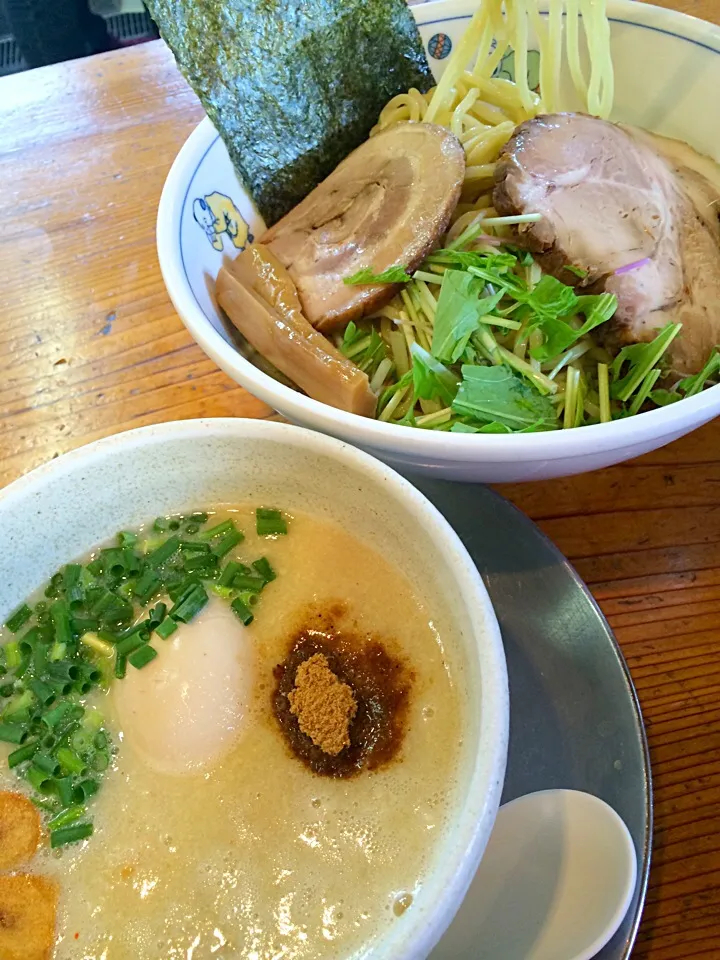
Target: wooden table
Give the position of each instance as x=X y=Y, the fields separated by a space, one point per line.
x=90 y=345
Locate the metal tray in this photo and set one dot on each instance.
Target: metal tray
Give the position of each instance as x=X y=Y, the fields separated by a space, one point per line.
x=575 y=720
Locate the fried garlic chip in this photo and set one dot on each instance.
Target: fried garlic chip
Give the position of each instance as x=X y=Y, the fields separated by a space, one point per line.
x=28 y=904
x=19 y=830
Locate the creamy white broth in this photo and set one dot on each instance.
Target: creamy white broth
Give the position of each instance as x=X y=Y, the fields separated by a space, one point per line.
x=252 y=855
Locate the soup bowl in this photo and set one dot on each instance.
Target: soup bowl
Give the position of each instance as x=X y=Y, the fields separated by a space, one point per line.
x=62 y=510
x=667 y=69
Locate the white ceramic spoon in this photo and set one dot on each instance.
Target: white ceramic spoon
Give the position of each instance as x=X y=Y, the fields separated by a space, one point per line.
x=555 y=882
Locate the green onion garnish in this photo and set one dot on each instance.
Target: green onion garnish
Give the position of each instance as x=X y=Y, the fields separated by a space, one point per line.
x=250 y=583
x=71 y=834
x=226 y=543
x=120 y=666
x=70 y=761
x=269 y=522
x=22 y=754
x=190 y=604
x=132 y=643
x=43 y=691
x=148 y=585
x=242 y=611
x=166 y=628
x=68 y=815
x=142 y=657
x=64 y=787
x=264 y=569
x=14 y=732
x=217 y=531
x=163 y=552
x=18 y=618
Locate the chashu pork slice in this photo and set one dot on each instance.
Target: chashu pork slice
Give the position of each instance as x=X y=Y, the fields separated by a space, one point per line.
x=387 y=204
x=609 y=197
x=260 y=299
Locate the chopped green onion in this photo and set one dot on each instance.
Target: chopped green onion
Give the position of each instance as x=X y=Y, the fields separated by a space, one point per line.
x=22 y=754
x=65 y=790
x=18 y=618
x=269 y=522
x=225 y=593
x=194 y=546
x=51 y=718
x=126 y=538
x=42 y=691
x=39 y=780
x=163 y=552
x=131 y=643
x=85 y=789
x=140 y=658
x=66 y=816
x=252 y=584
x=71 y=834
x=120 y=666
x=242 y=611
x=226 y=543
x=157 y=614
x=264 y=569
x=93 y=641
x=19 y=704
x=13 y=658
x=63 y=670
x=48 y=765
x=166 y=628
x=14 y=732
x=82 y=625
x=70 y=761
x=228 y=573
x=148 y=584
x=60 y=616
x=190 y=604
x=217 y=531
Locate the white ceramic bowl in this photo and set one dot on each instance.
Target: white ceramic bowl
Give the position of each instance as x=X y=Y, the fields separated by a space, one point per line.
x=667 y=68
x=63 y=509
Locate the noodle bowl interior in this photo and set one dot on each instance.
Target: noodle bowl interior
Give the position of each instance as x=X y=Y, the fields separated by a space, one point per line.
x=211 y=836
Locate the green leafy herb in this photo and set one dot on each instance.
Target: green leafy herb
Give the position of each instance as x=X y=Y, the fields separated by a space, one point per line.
x=692 y=385
x=293 y=88
x=351 y=337
x=431 y=379
x=663 y=397
x=640 y=359
x=396 y=274
x=459 y=311
x=549 y=298
x=559 y=334
x=498 y=396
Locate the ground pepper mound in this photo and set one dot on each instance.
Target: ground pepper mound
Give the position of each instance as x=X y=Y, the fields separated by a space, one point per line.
x=341 y=697
x=323 y=705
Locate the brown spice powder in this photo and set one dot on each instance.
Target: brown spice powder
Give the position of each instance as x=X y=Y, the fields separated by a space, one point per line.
x=324 y=706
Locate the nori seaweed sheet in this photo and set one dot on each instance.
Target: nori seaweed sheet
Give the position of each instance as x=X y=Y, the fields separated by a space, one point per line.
x=292 y=86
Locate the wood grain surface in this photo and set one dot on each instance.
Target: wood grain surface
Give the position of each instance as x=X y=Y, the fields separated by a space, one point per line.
x=90 y=345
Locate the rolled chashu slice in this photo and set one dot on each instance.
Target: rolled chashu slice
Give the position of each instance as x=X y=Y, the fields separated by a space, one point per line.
x=259 y=297
x=388 y=203
x=610 y=197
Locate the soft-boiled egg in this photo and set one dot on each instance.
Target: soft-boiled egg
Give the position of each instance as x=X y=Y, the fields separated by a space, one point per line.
x=184 y=711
